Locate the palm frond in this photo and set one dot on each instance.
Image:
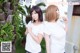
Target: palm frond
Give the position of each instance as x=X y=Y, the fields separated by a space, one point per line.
x=41 y=4
x=28 y=9
x=21 y=10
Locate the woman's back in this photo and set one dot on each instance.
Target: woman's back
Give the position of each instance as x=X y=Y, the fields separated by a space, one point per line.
x=57 y=36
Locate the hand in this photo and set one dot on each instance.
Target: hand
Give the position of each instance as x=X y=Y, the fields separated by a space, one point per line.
x=29 y=29
x=65 y=19
x=66 y=23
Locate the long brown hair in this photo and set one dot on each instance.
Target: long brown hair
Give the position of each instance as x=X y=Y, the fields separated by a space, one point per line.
x=51 y=13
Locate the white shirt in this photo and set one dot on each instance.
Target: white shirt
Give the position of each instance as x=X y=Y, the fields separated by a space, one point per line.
x=57 y=36
x=31 y=45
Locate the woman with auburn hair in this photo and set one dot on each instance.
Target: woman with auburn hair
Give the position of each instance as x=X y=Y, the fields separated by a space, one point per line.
x=55 y=30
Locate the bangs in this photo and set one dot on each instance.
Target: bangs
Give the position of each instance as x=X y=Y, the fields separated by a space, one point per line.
x=37 y=10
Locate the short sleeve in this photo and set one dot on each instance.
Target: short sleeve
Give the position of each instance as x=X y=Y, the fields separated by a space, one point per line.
x=61 y=22
x=29 y=24
x=41 y=29
x=46 y=28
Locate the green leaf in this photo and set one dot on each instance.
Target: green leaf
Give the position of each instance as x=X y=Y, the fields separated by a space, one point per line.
x=2 y=32
x=41 y=4
x=28 y=9
x=1 y=1
x=21 y=10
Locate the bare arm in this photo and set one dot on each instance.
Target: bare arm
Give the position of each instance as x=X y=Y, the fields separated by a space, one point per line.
x=37 y=38
x=47 y=39
x=26 y=31
x=66 y=23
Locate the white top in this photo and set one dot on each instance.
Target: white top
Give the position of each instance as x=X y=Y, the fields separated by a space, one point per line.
x=31 y=45
x=57 y=36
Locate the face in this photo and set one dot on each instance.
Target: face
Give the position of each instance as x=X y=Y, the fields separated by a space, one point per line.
x=57 y=10
x=34 y=16
x=58 y=13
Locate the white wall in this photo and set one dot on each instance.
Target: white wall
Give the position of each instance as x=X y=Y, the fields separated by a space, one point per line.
x=69 y=44
x=76 y=31
x=73 y=35
x=73 y=0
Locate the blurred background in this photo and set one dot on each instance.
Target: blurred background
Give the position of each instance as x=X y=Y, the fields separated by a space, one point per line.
x=14 y=16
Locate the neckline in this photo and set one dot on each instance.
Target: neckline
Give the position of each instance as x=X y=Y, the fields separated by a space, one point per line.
x=37 y=24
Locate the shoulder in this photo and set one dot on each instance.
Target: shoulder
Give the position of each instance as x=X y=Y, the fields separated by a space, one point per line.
x=29 y=24
x=61 y=22
x=45 y=22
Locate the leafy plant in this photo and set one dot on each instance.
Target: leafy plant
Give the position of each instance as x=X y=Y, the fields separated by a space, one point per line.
x=14 y=30
x=20 y=8
x=9 y=31
x=1 y=4
x=6 y=32
x=19 y=27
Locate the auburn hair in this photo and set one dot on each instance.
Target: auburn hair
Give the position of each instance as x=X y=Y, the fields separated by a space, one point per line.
x=51 y=13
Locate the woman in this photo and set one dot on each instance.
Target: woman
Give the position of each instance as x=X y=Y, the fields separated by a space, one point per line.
x=55 y=30
x=35 y=31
